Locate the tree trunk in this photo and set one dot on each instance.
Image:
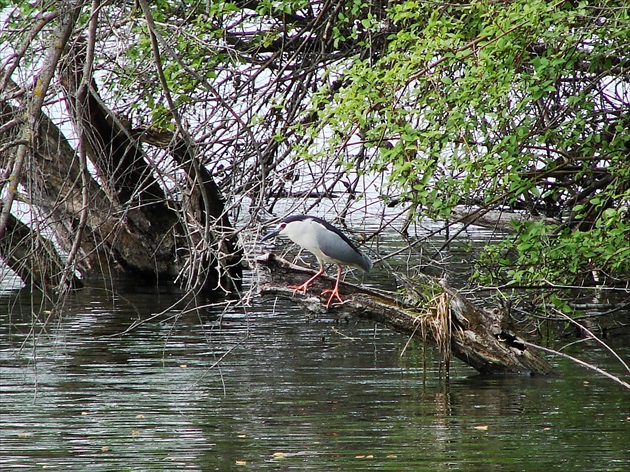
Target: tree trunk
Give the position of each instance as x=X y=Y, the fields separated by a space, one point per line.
x=128 y=218
x=33 y=257
x=144 y=240
x=433 y=312
x=206 y=213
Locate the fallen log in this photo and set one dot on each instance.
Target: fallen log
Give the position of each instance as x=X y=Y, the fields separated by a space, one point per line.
x=431 y=311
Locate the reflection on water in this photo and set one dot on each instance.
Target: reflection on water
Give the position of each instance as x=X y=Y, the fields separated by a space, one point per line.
x=270 y=388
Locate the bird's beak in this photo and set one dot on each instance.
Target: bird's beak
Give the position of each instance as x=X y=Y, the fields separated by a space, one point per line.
x=271 y=235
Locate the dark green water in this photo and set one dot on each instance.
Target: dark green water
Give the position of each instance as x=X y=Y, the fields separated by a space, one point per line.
x=268 y=388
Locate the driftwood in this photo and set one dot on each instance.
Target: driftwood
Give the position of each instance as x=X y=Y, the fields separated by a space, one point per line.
x=435 y=313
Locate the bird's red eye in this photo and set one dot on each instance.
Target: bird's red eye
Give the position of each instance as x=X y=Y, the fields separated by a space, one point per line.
x=283 y=225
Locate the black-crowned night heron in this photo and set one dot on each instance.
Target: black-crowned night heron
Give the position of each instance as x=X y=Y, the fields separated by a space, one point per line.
x=327 y=243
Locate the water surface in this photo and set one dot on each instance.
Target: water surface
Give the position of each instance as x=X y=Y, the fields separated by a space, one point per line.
x=135 y=379
x=272 y=388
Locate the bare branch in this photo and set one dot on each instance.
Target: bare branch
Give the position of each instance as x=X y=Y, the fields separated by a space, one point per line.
x=62 y=34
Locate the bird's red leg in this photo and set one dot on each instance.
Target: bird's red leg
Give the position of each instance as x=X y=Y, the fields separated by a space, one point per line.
x=334 y=292
x=307 y=284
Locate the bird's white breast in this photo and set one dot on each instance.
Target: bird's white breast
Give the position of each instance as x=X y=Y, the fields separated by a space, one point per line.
x=308 y=234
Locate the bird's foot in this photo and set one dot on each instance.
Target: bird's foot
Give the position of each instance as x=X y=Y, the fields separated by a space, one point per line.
x=300 y=288
x=334 y=293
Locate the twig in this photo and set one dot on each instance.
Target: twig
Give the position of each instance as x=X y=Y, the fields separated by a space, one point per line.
x=580 y=362
x=592 y=335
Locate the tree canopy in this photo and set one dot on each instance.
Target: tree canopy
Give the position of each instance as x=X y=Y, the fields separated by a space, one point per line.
x=136 y=129
x=517 y=105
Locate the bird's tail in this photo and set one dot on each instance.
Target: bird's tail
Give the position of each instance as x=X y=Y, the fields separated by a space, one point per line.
x=366 y=263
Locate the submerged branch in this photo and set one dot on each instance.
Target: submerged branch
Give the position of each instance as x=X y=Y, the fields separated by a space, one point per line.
x=580 y=362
